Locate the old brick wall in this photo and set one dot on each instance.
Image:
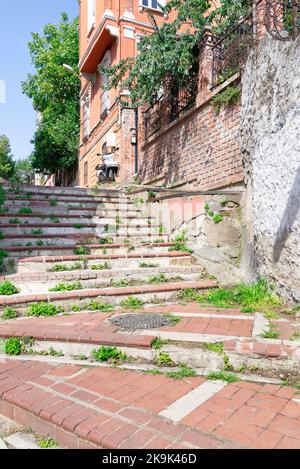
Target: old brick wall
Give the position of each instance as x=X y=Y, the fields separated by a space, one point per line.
x=202 y=147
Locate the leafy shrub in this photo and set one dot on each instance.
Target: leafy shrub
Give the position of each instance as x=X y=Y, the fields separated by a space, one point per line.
x=9 y=313
x=25 y=211
x=45 y=443
x=8 y=288
x=104 y=354
x=82 y=251
x=44 y=309
x=67 y=287
x=94 y=305
x=231 y=95
x=13 y=346
x=164 y=359
x=132 y=303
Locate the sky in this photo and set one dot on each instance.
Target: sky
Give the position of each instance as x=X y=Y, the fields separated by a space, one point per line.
x=17 y=20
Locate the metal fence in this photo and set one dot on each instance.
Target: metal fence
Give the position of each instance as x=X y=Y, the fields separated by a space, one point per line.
x=281 y=18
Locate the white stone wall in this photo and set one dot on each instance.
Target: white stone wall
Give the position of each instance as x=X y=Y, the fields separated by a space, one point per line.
x=270 y=140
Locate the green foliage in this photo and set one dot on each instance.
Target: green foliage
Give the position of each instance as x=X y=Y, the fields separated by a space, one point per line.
x=164 y=359
x=53 y=203
x=14 y=221
x=172 y=50
x=13 y=346
x=46 y=443
x=65 y=267
x=104 y=354
x=94 y=305
x=78 y=226
x=217 y=347
x=222 y=375
x=160 y=278
x=132 y=303
x=25 y=211
x=145 y=265
x=231 y=95
x=7 y=288
x=104 y=266
x=55 y=95
x=158 y=343
x=23 y=173
x=54 y=219
x=184 y=372
x=75 y=308
x=3 y=255
x=9 y=313
x=37 y=231
x=43 y=309
x=271 y=333
x=217 y=218
x=180 y=243
x=173 y=319
x=82 y=251
x=256 y=296
x=67 y=287
x=7 y=165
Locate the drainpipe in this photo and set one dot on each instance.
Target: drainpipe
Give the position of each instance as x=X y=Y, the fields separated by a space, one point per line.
x=136 y=150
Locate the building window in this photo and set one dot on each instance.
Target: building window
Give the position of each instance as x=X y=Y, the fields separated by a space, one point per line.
x=155 y=4
x=104 y=99
x=85 y=173
x=86 y=116
x=91 y=14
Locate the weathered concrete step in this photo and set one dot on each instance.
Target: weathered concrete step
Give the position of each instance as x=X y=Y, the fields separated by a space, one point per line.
x=57 y=239
x=114 y=295
x=36 y=200
x=107 y=273
x=57 y=191
x=140 y=278
x=129 y=260
x=123 y=245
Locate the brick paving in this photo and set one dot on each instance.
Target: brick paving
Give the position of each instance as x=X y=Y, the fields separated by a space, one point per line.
x=114 y=408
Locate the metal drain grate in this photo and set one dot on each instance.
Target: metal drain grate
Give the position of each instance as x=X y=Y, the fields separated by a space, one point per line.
x=134 y=321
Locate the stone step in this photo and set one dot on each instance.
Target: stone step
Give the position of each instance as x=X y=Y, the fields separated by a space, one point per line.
x=36 y=199
x=107 y=273
x=119 y=260
x=114 y=295
x=107 y=216
x=132 y=225
x=90 y=279
x=34 y=191
x=64 y=208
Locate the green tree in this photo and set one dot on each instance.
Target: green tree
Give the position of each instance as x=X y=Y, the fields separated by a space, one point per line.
x=55 y=94
x=172 y=50
x=6 y=159
x=23 y=172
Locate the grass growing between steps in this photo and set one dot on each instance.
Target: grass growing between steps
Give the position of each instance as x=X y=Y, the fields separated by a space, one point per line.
x=67 y=287
x=108 y=354
x=132 y=303
x=43 y=309
x=222 y=375
x=7 y=288
x=65 y=267
x=253 y=297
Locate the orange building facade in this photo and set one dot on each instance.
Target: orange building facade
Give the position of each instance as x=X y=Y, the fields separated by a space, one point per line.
x=109 y=31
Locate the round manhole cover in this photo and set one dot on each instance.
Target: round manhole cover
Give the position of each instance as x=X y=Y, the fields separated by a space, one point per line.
x=132 y=322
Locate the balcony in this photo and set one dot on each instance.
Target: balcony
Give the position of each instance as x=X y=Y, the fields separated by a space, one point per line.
x=104 y=36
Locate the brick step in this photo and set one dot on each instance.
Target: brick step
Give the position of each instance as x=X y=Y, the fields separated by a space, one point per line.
x=113 y=295
x=109 y=274
x=82 y=408
x=63 y=208
x=119 y=260
x=57 y=239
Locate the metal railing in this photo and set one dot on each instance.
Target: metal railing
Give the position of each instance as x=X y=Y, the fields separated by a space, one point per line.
x=281 y=18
